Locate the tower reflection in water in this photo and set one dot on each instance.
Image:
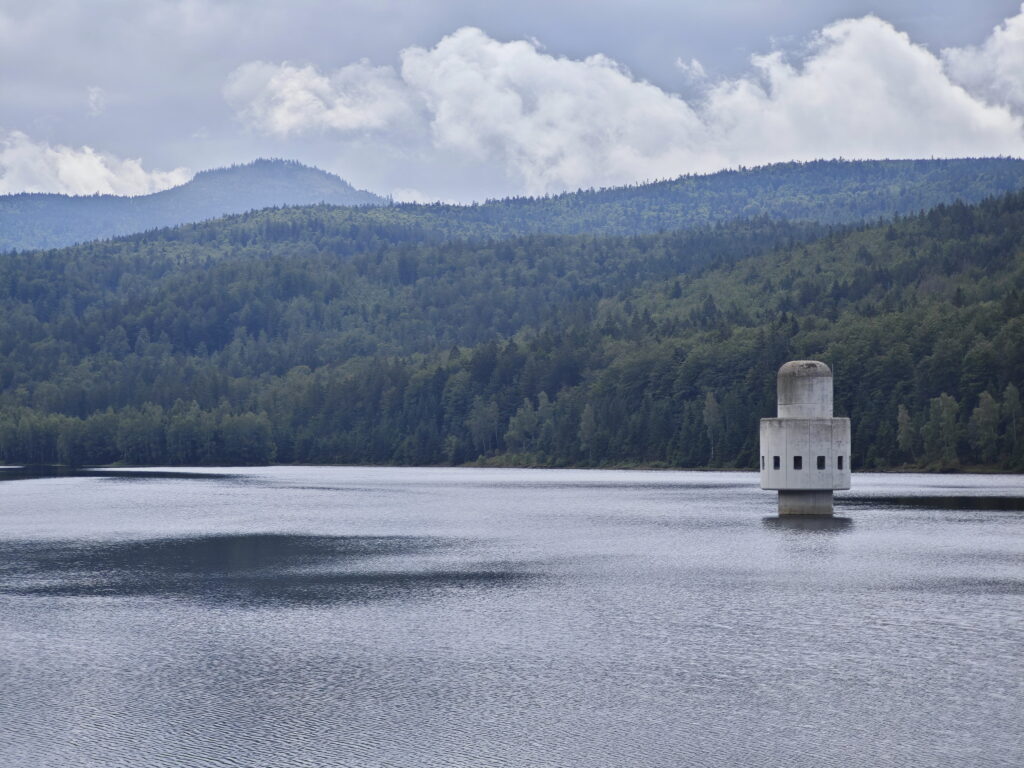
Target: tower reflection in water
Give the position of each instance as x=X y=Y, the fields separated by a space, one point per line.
x=809 y=523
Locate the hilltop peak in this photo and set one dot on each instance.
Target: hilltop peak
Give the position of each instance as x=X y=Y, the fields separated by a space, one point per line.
x=267 y=182
x=274 y=166
x=50 y=221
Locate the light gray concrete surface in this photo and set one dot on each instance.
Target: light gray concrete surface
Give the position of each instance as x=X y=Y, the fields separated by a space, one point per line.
x=805 y=451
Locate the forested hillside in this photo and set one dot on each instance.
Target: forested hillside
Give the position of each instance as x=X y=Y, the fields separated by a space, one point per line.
x=324 y=335
x=826 y=191
x=50 y=221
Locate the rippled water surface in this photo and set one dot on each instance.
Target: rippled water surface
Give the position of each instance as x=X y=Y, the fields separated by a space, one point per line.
x=406 y=617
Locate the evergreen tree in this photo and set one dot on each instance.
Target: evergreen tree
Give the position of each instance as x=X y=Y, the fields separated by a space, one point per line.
x=983 y=428
x=905 y=433
x=941 y=431
x=714 y=425
x=483 y=424
x=588 y=432
x=1011 y=413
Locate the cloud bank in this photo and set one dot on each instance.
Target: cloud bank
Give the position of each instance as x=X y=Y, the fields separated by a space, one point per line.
x=31 y=166
x=285 y=99
x=860 y=89
x=995 y=69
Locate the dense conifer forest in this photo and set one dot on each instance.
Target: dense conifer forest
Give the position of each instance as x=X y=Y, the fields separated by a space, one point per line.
x=825 y=191
x=395 y=335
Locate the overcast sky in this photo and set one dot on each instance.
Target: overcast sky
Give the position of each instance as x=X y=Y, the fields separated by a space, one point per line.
x=468 y=99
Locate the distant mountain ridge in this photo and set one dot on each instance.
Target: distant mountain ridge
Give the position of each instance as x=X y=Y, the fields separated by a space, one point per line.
x=822 y=191
x=32 y=220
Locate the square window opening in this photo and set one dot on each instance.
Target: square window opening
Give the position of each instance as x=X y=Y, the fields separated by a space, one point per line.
x=776 y=464
x=821 y=462
x=798 y=462
x=840 y=462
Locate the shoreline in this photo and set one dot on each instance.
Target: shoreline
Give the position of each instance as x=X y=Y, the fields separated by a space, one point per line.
x=43 y=470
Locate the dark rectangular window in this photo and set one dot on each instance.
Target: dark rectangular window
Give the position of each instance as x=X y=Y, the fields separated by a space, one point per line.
x=762 y=462
x=775 y=462
x=840 y=462
x=798 y=462
x=821 y=462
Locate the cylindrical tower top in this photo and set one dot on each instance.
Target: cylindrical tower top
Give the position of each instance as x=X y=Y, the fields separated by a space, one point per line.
x=805 y=390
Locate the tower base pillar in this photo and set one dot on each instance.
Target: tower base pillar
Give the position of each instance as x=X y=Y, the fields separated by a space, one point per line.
x=805 y=502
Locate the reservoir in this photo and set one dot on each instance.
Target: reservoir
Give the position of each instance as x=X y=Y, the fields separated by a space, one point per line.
x=345 y=616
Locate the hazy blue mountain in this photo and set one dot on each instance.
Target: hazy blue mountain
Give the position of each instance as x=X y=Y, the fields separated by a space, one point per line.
x=50 y=221
x=825 y=192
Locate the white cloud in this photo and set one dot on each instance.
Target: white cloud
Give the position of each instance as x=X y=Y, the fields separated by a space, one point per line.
x=994 y=69
x=285 y=99
x=553 y=122
x=864 y=91
x=97 y=100
x=30 y=166
x=861 y=90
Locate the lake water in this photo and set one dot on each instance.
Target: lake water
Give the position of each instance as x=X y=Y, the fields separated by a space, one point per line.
x=325 y=616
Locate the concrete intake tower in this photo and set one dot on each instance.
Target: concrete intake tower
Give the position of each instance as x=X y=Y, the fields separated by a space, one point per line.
x=805 y=451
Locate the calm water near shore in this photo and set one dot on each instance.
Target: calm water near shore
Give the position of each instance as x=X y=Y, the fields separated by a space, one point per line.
x=331 y=616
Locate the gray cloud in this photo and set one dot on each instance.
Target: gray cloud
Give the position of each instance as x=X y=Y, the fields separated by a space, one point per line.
x=286 y=99
x=172 y=87
x=862 y=89
x=995 y=69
